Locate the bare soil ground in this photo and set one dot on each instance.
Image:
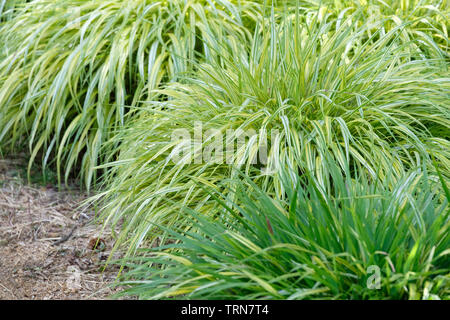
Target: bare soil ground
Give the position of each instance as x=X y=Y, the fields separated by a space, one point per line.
x=49 y=249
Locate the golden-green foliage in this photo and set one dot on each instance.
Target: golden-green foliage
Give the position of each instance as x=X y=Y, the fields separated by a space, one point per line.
x=73 y=71
x=373 y=102
x=357 y=90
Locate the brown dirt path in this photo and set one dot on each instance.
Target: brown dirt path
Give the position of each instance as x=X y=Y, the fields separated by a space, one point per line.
x=34 y=261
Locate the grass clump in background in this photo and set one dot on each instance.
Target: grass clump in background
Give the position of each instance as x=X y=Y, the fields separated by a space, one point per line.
x=424 y=21
x=73 y=72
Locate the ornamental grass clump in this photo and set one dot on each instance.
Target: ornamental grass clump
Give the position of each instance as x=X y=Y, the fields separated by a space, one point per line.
x=424 y=21
x=277 y=149
x=353 y=239
x=372 y=102
x=72 y=72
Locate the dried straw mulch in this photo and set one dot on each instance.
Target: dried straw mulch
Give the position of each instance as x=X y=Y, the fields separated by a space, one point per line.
x=49 y=249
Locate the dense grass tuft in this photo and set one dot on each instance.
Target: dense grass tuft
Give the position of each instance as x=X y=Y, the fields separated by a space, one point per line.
x=319 y=242
x=371 y=101
x=74 y=71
